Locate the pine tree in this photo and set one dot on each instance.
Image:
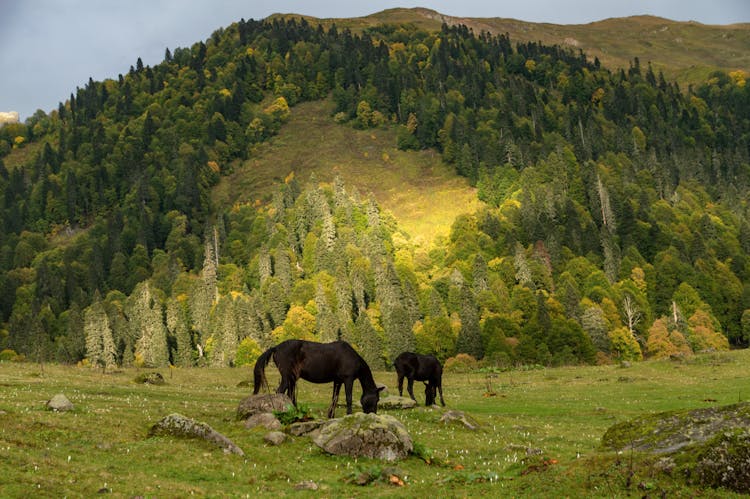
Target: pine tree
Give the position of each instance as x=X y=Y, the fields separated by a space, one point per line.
x=369 y=342
x=146 y=317
x=178 y=325
x=327 y=325
x=100 y=347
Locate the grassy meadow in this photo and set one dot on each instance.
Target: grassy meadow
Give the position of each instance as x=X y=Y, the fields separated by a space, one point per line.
x=541 y=430
x=422 y=192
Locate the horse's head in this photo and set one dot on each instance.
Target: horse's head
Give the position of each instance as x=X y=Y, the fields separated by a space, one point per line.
x=370 y=400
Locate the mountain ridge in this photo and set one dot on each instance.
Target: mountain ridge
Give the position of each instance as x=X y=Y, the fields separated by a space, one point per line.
x=689 y=57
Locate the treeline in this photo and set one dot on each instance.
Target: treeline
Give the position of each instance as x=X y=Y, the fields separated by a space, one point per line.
x=617 y=202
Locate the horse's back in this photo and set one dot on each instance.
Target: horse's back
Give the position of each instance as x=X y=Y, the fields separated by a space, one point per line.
x=326 y=362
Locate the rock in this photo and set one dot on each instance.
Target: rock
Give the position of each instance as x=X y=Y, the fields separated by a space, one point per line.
x=177 y=425
x=306 y=485
x=305 y=427
x=150 y=379
x=711 y=446
x=454 y=416
x=263 y=402
x=59 y=403
x=394 y=402
x=264 y=419
x=724 y=461
x=365 y=435
x=275 y=438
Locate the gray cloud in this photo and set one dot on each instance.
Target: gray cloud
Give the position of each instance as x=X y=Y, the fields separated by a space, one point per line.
x=49 y=47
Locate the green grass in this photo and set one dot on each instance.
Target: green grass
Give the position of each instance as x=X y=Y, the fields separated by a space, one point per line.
x=560 y=414
x=423 y=193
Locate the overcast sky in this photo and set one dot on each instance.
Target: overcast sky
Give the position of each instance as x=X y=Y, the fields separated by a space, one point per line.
x=50 y=47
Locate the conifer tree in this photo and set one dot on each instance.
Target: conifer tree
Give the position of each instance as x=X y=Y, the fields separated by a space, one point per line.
x=100 y=347
x=369 y=342
x=178 y=325
x=326 y=323
x=145 y=319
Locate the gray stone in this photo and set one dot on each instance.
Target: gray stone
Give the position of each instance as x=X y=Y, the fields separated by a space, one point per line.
x=305 y=427
x=263 y=402
x=461 y=417
x=177 y=425
x=153 y=378
x=395 y=402
x=59 y=403
x=365 y=435
x=306 y=485
x=275 y=438
x=264 y=419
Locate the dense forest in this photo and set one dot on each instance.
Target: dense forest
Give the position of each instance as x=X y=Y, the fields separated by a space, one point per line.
x=615 y=226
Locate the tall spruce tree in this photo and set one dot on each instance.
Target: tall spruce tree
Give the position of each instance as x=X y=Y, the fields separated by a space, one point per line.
x=100 y=347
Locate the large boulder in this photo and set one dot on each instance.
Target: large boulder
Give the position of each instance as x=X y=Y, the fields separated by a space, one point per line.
x=264 y=419
x=261 y=403
x=59 y=403
x=709 y=446
x=177 y=425
x=365 y=435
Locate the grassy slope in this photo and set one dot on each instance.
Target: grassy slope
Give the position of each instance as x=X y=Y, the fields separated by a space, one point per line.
x=423 y=193
x=684 y=51
x=560 y=413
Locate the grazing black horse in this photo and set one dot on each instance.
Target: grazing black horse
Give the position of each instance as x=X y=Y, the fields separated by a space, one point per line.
x=419 y=367
x=335 y=362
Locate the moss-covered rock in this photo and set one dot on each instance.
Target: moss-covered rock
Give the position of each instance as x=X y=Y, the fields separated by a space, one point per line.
x=150 y=379
x=709 y=447
x=262 y=403
x=724 y=461
x=365 y=435
x=177 y=425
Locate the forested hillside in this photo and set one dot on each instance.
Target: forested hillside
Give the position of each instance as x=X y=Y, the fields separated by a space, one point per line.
x=686 y=52
x=615 y=222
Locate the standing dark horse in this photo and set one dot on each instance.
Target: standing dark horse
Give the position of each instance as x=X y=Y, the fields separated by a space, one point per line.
x=419 y=367
x=335 y=362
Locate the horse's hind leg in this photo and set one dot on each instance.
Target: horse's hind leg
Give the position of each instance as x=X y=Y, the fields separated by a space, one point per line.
x=288 y=386
x=335 y=400
x=440 y=389
x=400 y=384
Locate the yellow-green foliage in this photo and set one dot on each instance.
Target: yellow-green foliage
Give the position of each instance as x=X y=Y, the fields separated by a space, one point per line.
x=624 y=345
x=248 y=352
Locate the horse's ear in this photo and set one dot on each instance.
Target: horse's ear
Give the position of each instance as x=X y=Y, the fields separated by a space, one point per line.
x=381 y=388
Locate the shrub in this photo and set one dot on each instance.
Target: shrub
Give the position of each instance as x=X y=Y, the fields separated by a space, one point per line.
x=248 y=352
x=9 y=355
x=293 y=414
x=461 y=363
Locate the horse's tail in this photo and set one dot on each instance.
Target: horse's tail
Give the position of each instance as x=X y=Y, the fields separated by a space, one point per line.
x=259 y=371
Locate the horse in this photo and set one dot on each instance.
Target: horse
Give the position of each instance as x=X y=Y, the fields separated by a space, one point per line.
x=335 y=362
x=419 y=367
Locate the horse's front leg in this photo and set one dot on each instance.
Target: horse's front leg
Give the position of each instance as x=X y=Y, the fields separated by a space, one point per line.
x=334 y=399
x=348 y=385
x=410 y=388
